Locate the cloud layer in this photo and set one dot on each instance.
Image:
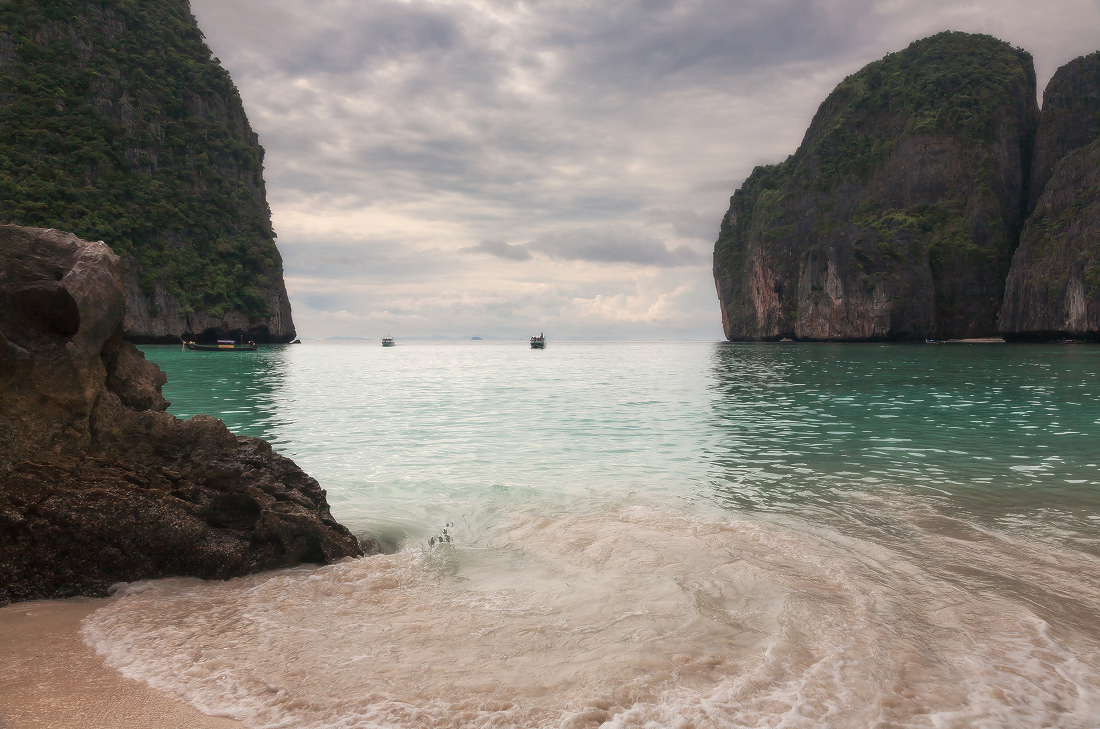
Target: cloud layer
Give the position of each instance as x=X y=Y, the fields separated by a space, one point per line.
x=500 y=166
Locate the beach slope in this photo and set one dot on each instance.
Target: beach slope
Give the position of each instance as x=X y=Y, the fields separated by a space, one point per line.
x=50 y=678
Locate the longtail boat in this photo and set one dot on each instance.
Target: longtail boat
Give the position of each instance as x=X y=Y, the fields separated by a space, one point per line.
x=222 y=345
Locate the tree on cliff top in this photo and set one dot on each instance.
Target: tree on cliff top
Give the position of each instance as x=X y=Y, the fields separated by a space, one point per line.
x=950 y=83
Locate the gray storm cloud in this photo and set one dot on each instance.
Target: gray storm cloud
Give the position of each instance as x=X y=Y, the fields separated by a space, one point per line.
x=500 y=249
x=609 y=246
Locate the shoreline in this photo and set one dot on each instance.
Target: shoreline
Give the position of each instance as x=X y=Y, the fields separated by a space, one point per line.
x=50 y=678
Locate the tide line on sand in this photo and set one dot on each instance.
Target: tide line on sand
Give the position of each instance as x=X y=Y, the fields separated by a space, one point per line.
x=50 y=678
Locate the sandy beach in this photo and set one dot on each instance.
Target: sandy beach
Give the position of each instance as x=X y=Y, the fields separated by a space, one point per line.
x=49 y=678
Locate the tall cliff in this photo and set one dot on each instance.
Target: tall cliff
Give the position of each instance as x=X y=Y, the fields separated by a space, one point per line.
x=1053 y=288
x=898 y=215
x=118 y=125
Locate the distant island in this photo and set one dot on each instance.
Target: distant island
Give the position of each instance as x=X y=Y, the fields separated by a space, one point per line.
x=119 y=126
x=928 y=199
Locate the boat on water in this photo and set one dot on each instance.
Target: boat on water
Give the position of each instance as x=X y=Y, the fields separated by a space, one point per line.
x=387 y=341
x=222 y=345
x=538 y=342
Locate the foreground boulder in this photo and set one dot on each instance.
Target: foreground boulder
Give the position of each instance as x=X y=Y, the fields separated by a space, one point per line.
x=98 y=484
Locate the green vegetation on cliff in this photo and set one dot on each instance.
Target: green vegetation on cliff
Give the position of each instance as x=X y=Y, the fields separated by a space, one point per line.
x=117 y=125
x=951 y=83
x=897 y=215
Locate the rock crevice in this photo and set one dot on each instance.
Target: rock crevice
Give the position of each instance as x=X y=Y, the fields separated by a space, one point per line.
x=1053 y=289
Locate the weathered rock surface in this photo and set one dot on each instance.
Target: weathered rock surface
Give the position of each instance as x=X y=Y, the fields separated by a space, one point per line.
x=1053 y=287
x=97 y=483
x=158 y=317
x=1070 y=119
x=898 y=215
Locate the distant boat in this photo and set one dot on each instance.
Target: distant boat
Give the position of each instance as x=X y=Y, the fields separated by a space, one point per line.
x=387 y=341
x=538 y=342
x=223 y=345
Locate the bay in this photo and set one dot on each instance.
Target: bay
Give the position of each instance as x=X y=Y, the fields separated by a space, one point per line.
x=653 y=534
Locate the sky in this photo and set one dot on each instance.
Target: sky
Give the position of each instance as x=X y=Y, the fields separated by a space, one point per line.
x=501 y=168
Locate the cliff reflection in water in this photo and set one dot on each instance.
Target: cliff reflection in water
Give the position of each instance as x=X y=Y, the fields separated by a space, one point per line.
x=245 y=390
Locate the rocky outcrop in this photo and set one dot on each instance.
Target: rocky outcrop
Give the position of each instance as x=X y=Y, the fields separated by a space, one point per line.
x=159 y=318
x=120 y=125
x=898 y=215
x=98 y=484
x=1069 y=121
x=1053 y=287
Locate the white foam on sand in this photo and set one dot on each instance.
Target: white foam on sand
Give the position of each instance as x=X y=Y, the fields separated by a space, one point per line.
x=628 y=616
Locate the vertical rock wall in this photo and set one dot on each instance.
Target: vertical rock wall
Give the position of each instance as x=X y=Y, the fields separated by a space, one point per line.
x=120 y=126
x=1053 y=288
x=898 y=215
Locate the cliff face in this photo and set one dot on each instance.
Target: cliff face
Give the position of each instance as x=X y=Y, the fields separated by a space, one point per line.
x=97 y=483
x=1053 y=288
x=119 y=126
x=897 y=217
x=1069 y=121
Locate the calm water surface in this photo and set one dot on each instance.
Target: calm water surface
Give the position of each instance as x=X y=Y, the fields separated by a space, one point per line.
x=653 y=535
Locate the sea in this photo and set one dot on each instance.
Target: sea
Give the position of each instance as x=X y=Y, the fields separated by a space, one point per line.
x=684 y=535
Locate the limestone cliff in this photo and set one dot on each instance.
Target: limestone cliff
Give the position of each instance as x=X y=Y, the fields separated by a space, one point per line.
x=1053 y=287
x=120 y=126
x=898 y=215
x=97 y=483
x=1070 y=119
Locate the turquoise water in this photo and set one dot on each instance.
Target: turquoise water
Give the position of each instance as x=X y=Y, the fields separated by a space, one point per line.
x=409 y=437
x=654 y=534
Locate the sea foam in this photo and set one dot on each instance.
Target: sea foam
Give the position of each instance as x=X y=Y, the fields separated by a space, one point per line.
x=634 y=616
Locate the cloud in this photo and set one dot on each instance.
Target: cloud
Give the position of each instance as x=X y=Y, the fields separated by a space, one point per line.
x=500 y=249
x=614 y=246
x=634 y=308
x=594 y=246
x=689 y=224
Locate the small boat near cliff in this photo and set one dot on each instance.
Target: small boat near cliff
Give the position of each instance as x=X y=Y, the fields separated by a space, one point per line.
x=222 y=345
x=387 y=341
x=538 y=342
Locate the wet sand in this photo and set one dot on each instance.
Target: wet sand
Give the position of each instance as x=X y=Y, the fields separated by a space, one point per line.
x=49 y=678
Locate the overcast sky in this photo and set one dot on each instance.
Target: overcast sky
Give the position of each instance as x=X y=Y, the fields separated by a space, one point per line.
x=500 y=168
